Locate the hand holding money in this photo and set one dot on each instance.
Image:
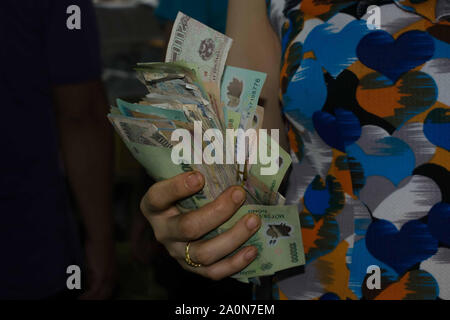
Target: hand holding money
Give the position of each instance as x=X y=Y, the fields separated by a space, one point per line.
x=173 y=229
x=179 y=133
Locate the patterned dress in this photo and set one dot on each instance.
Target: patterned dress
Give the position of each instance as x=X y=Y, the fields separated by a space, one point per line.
x=366 y=91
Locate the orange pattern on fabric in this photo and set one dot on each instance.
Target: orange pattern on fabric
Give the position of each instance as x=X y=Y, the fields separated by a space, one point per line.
x=424 y=9
x=311 y=7
x=282 y=295
x=333 y=272
x=292 y=141
x=422 y=24
x=396 y=291
x=310 y=236
x=441 y=158
x=381 y=102
x=284 y=67
x=309 y=55
x=343 y=176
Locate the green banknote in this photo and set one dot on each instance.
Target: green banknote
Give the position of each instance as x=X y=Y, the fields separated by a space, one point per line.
x=279 y=240
x=232 y=119
x=283 y=162
x=240 y=90
x=256 y=121
x=155 y=157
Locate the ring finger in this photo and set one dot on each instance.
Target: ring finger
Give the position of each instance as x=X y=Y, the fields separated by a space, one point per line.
x=228 y=266
x=208 y=252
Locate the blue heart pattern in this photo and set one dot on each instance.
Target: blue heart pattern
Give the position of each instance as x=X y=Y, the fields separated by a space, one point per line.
x=402 y=249
x=439 y=222
x=365 y=94
x=342 y=44
x=378 y=50
x=306 y=93
x=324 y=198
x=437 y=127
x=337 y=131
x=392 y=159
x=361 y=260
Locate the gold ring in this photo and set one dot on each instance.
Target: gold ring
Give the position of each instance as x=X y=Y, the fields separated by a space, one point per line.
x=187 y=257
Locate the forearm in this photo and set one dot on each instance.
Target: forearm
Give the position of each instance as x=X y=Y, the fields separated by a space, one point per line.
x=87 y=147
x=257 y=47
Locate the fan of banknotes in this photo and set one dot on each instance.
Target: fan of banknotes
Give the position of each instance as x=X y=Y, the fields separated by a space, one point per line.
x=194 y=91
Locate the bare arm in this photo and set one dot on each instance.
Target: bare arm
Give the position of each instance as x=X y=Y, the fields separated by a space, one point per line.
x=86 y=144
x=257 y=47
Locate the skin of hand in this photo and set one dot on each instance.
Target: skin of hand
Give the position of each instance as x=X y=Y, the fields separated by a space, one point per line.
x=87 y=150
x=174 y=229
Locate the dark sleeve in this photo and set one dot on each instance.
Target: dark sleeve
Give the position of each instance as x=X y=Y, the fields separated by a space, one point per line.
x=73 y=55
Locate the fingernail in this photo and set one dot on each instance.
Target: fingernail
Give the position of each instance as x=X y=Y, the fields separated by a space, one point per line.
x=238 y=196
x=251 y=254
x=252 y=222
x=194 y=180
